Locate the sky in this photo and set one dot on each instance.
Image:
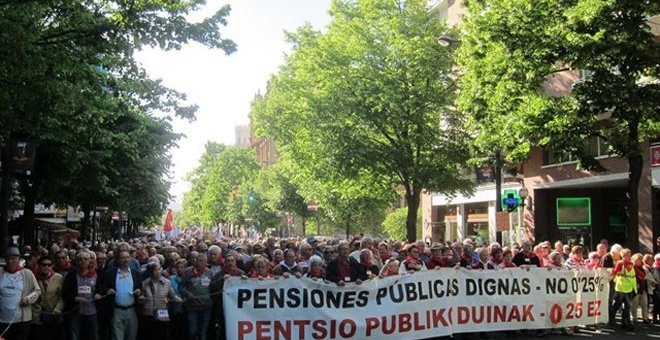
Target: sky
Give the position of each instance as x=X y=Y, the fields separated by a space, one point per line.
x=224 y=86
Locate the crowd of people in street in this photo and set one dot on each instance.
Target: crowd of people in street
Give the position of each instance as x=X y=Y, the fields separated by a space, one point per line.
x=172 y=288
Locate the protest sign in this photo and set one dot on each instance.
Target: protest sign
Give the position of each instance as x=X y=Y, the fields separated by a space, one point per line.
x=421 y=305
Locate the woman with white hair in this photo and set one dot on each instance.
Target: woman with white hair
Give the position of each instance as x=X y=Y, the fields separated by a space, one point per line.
x=655 y=272
x=316 y=269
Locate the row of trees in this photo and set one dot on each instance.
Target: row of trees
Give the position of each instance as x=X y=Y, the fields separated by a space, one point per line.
x=373 y=104
x=229 y=186
x=69 y=83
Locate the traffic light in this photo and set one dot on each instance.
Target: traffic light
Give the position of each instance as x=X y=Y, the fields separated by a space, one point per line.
x=251 y=198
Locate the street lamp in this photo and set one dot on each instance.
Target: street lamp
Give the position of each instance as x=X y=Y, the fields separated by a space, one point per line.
x=523 y=193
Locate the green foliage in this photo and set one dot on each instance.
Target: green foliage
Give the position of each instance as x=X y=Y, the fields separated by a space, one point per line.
x=368 y=105
x=394 y=224
x=513 y=49
x=69 y=82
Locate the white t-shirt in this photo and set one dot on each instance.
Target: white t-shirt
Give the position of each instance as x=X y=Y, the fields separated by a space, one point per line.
x=11 y=292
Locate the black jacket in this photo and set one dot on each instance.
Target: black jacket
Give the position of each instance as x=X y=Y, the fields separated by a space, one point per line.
x=332 y=271
x=109 y=282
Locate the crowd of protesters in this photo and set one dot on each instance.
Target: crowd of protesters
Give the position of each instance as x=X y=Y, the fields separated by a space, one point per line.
x=172 y=289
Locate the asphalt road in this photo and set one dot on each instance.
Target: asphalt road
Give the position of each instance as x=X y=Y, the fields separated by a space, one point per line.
x=595 y=332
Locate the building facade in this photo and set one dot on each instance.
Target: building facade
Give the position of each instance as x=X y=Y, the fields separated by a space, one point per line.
x=563 y=203
x=242 y=136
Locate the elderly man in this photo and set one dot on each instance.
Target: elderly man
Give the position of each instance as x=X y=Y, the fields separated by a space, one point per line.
x=288 y=265
x=19 y=290
x=344 y=268
x=124 y=285
x=195 y=286
x=216 y=260
x=365 y=243
x=78 y=291
x=527 y=256
x=47 y=311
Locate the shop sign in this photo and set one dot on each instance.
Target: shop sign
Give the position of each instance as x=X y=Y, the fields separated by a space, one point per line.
x=655 y=155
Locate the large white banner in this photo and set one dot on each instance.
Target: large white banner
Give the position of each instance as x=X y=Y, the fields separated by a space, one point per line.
x=420 y=305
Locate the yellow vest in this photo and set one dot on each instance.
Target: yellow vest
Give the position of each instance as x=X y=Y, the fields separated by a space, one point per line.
x=626 y=281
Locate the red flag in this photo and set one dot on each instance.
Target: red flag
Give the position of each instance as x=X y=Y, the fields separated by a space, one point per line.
x=167 y=227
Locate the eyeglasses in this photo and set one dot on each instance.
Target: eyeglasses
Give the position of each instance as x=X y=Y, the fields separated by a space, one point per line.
x=47 y=264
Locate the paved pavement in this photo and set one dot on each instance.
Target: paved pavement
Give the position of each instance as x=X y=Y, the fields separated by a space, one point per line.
x=602 y=331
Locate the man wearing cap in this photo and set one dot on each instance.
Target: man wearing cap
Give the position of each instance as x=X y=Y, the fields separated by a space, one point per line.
x=312 y=241
x=47 y=311
x=19 y=290
x=439 y=258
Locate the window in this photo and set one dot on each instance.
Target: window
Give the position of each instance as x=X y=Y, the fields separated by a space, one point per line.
x=594 y=146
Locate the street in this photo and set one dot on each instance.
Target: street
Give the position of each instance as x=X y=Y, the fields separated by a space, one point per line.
x=602 y=331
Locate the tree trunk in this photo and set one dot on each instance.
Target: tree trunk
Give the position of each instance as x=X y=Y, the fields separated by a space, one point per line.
x=413 y=200
x=28 y=213
x=304 y=225
x=4 y=200
x=348 y=229
x=86 y=208
x=497 y=169
x=635 y=165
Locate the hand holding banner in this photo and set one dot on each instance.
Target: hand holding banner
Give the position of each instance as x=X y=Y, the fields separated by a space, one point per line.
x=422 y=305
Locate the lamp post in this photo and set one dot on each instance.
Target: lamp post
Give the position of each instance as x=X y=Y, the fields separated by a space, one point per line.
x=523 y=193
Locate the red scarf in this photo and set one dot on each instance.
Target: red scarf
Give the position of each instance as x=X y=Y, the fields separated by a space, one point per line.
x=18 y=269
x=507 y=265
x=367 y=264
x=639 y=273
x=577 y=259
x=385 y=256
x=45 y=277
x=255 y=275
x=440 y=261
x=627 y=264
x=196 y=273
x=591 y=265
x=234 y=271
x=90 y=273
x=411 y=261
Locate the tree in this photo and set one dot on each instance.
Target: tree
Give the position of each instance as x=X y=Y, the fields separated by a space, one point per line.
x=507 y=56
x=199 y=180
x=69 y=82
x=220 y=185
x=395 y=224
x=370 y=98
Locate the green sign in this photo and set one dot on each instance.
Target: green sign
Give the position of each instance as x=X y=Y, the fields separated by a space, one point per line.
x=510 y=200
x=573 y=211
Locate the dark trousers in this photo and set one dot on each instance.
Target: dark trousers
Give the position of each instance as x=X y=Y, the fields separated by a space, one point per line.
x=178 y=326
x=16 y=331
x=154 y=329
x=619 y=299
x=47 y=331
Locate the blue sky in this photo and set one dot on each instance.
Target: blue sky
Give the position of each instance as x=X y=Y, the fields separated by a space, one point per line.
x=223 y=86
